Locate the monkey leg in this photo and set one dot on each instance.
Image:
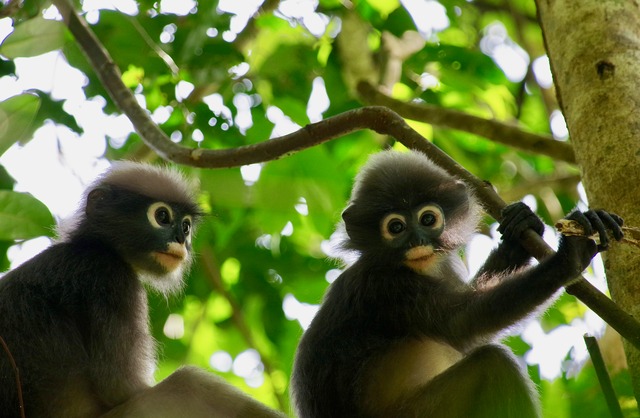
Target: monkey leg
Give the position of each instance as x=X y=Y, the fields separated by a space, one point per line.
x=194 y=393
x=488 y=383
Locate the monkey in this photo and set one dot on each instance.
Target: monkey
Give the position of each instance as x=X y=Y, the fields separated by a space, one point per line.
x=401 y=332
x=75 y=317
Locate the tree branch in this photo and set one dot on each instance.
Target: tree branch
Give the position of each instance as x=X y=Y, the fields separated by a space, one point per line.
x=564 y=183
x=500 y=132
x=376 y=118
x=212 y=270
x=603 y=376
x=487 y=7
x=166 y=58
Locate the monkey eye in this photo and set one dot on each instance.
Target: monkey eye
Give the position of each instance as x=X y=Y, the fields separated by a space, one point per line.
x=392 y=225
x=431 y=216
x=396 y=226
x=159 y=215
x=186 y=226
x=428 y=219
x=163 y=217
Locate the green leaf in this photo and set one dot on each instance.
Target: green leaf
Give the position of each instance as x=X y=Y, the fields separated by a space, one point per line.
x=22 y=216
x=34 y=37
x=53 y=110
x=7 y=67
x=384 y=7
x=16 y=117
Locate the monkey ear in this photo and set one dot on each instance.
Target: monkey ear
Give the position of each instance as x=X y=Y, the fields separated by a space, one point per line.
x=454 y=186
x=95 y=198
x=348 y=217
x=347 y=214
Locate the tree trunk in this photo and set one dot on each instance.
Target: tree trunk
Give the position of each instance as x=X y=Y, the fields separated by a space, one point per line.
x=594 y=49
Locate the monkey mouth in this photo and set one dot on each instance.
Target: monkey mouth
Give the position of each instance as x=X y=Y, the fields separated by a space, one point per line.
x=419 y=259
x=171 y=258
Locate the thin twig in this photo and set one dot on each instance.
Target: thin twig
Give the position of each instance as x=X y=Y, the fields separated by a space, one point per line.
x=494 y=130
x=377 y=118
x=603 y=376
x=166 y=58
x=213 y=272
x=16 y=371
x=572 y=228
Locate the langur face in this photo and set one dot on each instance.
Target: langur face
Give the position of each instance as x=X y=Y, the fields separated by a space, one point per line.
x=173 y=229
x=415 y=235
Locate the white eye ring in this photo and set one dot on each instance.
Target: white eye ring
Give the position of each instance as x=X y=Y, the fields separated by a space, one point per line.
x=431 y=216
x=393 y=225
x=160 y=215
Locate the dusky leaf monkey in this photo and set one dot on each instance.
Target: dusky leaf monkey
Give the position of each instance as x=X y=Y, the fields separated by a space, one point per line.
x=401 y=333
x=75 y=317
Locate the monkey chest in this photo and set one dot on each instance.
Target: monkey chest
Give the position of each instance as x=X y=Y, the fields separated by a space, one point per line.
x=404 y=367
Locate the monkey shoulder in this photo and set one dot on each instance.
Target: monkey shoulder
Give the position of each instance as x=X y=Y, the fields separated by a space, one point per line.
x=64 y=272
x=334 y=339
x=61 y=289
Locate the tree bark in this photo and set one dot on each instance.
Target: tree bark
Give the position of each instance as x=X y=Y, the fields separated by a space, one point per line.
x=594 y=49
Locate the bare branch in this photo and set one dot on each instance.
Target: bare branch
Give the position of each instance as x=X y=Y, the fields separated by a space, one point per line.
x=565 y=183
x=379 y=119
x=487 y=7
x=166 y=58
x=603 y=376
x=491 y=129
x=212 y=271
x=572 y=228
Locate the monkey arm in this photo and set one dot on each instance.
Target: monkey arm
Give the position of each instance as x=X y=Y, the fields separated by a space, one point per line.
x=486 y=311
x=194 y=393
x=513 y=299
x=521 y=293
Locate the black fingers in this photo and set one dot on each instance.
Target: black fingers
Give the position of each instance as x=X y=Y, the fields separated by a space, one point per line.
x=599 y=221
x=613 y=222
x=517 y=218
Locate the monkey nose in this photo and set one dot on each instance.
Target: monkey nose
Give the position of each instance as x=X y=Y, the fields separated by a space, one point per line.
x=419 y=240
x=180 y=237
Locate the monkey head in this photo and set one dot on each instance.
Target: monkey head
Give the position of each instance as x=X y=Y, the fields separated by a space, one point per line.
x=147 y=215
x=404 y=210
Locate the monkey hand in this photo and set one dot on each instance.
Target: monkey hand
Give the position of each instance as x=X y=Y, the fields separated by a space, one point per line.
x=517 y=218
x=576 y=252
x=597 y=222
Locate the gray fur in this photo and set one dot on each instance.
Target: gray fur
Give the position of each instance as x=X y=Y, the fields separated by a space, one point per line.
x=75 y=317
x=396 y=337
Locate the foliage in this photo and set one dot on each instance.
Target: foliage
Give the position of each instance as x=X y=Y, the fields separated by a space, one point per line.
x=265 y=244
